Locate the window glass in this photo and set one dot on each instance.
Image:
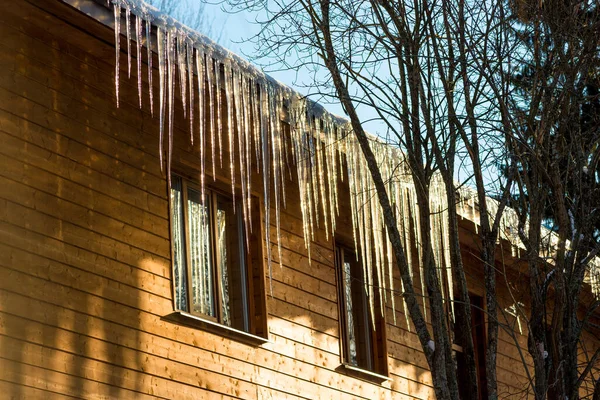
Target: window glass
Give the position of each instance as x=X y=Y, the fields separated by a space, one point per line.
x=210 y=272
x=478 y=332
x=232 y=264
x=203 y=282
x=362 y=344
x=178 y=235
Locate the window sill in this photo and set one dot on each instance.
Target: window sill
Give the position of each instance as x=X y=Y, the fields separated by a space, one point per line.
x=363 y=373
x=194 y=321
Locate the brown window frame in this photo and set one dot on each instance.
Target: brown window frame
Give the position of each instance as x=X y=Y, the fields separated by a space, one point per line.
x=479 y=346
x=254 y=300
x=376 y=366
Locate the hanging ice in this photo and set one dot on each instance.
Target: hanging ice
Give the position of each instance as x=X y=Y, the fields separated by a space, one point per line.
x=189 y=60
x=171 y=90
x=161 y=91
x=201 y=118
x=128 y=30
x=211 y=106
x=319 y=145
x=138 y=42
x=149 y=53
x=117 y=13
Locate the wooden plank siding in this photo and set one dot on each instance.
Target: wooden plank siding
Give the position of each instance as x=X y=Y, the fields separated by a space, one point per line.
x=85 y=259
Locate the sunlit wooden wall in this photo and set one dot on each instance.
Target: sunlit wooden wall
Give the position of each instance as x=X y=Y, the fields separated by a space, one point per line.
x=85 y=270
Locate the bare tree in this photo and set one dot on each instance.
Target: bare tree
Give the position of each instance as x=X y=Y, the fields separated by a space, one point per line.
x=554 y=135
x=439 y=77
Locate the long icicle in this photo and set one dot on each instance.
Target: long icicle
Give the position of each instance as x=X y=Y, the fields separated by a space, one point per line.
x=228 y=89
x=117 y=13
x=171 y=83
x=128 y=30
x=280 y=145
x=182 y=69
x=266 y=180
x=256 y=123
x=201 y=117
x=161 y=90
x=219 y=111
x=248 y=141
x=149 y=54
x=211 y=104
x=189 y=58
x=276 y=171
x=138 y=43
x=238 y=95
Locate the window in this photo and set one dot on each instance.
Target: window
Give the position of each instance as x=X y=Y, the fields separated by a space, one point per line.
x=478 y=331
x=362 y=333
x=214 y=276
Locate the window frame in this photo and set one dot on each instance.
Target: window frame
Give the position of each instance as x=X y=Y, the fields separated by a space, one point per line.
x=254 y=299
x=478 y=331
x=377 y=354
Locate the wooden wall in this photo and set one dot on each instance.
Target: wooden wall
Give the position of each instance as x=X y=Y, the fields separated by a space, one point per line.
x=85 y=271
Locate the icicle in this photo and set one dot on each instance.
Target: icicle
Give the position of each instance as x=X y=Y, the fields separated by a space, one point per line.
x=280 y=145
x=338 y=139
x=380 y=256
x=138 y=42
x=299 y=153
x=128 y=27
x=256 y=123
x=276 y=171
x=390 y=263
x=314 y=172
x=211 y=104
x=266 y=181
x=149 y=53
x=228 y=89
x=331 y=174
x=189 y=59
x=201 y=120
x=182 y=67
x=321 y=174
x=473 y=214
x=161 y=91
x=117 y=12
x=171 y=89
x=241 y=139
x=248 y=144
x=308 y=177
x=352 y=187
x=219 y=111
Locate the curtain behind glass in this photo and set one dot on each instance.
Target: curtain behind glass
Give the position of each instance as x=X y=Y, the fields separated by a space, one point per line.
x=203 y=279
x=232 y=264
x=351 y=334
x=179 y=257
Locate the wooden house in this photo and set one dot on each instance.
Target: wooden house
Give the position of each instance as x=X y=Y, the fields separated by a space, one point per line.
x=115 y=286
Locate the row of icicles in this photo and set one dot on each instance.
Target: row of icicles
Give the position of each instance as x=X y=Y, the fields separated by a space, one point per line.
x=317 y=142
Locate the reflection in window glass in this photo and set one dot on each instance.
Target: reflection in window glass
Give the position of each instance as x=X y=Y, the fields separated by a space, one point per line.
x=358 y=329
x=178 y=234
x=349 y=315
x=203 y=284
x=232 y=264
x=209 y=255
